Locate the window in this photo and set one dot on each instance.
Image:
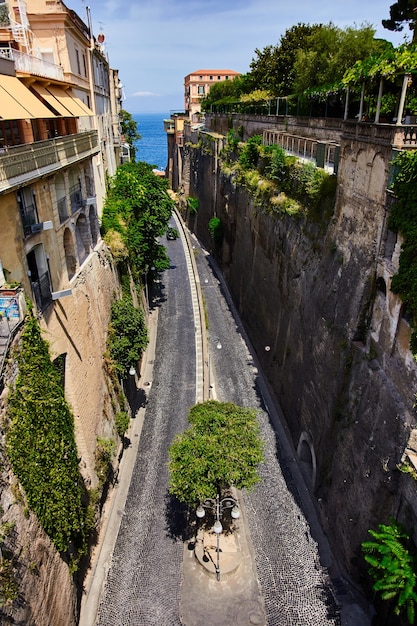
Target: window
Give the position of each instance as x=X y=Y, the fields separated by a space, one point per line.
x=219 y=78
x=211 y=77
x=226 y=78
x=27 y=208
x=9 y=133
x=77 y=58
x=85 y=66
x=201 y=90
x=200 y=77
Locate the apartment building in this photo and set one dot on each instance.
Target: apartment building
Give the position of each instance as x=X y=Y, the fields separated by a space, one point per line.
x=197 y=85
x=59 y=139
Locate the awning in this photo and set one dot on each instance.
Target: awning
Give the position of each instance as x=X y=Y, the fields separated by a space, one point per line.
x=17 y=102
x=72 y=104
x=51 y=100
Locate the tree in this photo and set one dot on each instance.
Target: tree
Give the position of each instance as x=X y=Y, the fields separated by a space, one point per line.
x=393 y=566
x=328 y=52
x=273 y=69
x=222 y=447
x=129 y=130
x=128 y=335
x=400 y=12
x=137 y=209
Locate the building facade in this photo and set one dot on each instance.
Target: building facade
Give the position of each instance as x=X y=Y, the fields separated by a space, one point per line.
x=197 y=85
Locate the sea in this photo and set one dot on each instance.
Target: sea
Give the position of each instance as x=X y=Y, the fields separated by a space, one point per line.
x=153 y=145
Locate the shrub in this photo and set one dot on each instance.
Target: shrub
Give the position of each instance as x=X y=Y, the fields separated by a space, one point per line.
x=122 y=422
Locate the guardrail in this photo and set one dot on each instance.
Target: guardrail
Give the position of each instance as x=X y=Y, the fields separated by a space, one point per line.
x=21 y=164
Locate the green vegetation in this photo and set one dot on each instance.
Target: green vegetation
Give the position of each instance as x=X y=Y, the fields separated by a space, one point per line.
x=128 y=335
x=216 y=230
x=130 y=132
x=277 y=181
x=403 y=219
x=122 y=421
x=221 y=448
x=192 y=204
x=136 y=212
x=41 y=446
x=392 y=561
x=104 y=454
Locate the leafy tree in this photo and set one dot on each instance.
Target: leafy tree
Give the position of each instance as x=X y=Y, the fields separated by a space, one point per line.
x=393 y=566
x=400 y=12
x=138 y=209
x=328 y=52
x=41 y=446
x=226 y=92
x=129 y=130
x=128 y=335
x=222 y=447
x=250 y=152
x=273 y=69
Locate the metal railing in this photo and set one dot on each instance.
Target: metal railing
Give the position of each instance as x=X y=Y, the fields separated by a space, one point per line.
x=21 y=164
x=38 y=67
x=324 y=154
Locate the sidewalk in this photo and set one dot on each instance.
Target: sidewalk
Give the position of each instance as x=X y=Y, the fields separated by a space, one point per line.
x=115 y=504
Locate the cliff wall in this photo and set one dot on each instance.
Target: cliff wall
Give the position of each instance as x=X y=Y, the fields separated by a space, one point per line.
x=315 y=292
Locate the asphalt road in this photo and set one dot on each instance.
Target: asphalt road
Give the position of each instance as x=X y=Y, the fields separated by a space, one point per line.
x=145 y=579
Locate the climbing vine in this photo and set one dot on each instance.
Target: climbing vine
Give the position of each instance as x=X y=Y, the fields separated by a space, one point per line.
x=41 y=446
x=403 y=219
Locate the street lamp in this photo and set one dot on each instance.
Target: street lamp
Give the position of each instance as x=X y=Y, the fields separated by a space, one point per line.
x=217 y=506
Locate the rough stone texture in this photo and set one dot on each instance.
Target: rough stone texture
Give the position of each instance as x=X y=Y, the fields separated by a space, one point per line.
x=46 y=594
x=306 y=289
x=77 y=326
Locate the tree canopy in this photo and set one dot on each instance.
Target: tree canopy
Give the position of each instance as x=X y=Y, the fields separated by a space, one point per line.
x=130 y=131
x=136 y=212
x=400 y=12
x=222 y=447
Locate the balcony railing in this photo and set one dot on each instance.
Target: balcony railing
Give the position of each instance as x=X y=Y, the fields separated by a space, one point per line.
x=63 y=209
x=42 y=291
x=38 y=67
x=76 y=198
x=22 y=164
x=29 y=218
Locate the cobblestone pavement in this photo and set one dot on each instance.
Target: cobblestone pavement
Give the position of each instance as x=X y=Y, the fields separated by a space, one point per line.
x=295 y=586
x=143 y=584
x=145 y=577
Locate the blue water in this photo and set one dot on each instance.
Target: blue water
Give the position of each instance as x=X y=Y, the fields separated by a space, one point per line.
x=152 y=147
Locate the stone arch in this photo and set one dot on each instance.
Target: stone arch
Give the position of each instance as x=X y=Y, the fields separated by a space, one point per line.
x=70 y=253
x=82 y=235
x=94 y=229
x=307 y=458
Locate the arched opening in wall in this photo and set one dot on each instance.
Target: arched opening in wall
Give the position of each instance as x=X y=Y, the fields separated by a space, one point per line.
x=70 y=254
x=39 y=276
x=307 y=459
x=94 y=229
x=381 y=286
x=82 y=235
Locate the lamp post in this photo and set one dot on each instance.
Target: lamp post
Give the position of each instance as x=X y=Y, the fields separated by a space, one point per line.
x=217 y=506
x=219 y=347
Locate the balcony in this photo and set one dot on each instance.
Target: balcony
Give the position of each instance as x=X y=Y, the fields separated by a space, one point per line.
x=19 y=165
x=31 y=65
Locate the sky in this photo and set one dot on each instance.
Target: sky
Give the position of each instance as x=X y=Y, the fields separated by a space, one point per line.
x=155 y=43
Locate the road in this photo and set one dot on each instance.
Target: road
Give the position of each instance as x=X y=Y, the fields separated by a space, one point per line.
x=145 y=582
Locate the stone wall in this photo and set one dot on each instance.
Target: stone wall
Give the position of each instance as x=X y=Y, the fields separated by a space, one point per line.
x=307 y=289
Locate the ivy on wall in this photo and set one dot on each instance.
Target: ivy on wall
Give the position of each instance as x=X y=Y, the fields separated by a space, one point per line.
x=403 y=219
x=41 y=445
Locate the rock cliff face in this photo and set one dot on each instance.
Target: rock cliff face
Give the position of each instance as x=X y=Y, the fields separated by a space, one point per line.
x=316 y=293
